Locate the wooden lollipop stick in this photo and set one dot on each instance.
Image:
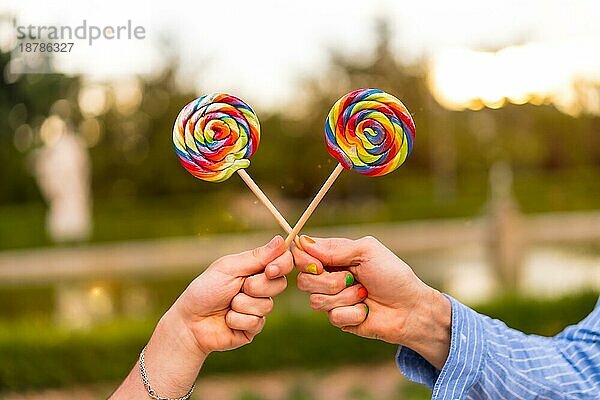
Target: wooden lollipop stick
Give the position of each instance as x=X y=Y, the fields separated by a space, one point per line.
x=265 y=200
x=313 y=205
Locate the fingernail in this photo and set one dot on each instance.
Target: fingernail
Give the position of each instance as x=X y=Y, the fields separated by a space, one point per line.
x=367 y=310
x=274 y=270
x=362 y=293
x=309 y=239
x=273 y=243
x=349 y=279
x=312 y=268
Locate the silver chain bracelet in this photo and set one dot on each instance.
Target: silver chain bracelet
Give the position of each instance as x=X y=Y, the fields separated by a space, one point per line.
x=151 y=392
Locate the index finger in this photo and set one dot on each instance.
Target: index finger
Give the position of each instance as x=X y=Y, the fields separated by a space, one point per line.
x=336 y=251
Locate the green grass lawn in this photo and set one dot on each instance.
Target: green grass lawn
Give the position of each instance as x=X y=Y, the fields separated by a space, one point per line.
x=408 y=197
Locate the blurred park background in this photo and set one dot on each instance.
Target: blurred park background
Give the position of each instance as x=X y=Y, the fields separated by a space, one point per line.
x=101 y=228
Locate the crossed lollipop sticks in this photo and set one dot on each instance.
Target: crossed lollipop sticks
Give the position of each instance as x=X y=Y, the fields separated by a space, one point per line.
x=367 y=130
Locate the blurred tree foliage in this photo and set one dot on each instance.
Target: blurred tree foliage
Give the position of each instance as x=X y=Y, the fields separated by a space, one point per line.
x=134 y=155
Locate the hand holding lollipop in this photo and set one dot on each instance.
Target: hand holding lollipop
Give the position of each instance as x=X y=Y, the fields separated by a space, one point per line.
x=369 y=131
x=214 y=137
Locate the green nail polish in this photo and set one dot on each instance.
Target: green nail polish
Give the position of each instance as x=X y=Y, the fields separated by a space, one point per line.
x=312 y=268
x=367 y=309
x=349 y=279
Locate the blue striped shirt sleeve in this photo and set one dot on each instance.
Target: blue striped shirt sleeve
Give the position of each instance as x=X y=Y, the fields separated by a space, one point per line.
x=488 y=360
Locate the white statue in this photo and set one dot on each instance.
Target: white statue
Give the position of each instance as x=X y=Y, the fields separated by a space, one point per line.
x=62 y=169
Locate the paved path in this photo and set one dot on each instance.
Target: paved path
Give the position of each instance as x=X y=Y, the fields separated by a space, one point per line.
x=176 y=255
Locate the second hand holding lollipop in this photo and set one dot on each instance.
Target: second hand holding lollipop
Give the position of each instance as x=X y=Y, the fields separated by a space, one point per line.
x=214 y=136
x=369 y=131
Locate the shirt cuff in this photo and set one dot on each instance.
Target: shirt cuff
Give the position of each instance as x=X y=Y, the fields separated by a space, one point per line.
x=463 y=365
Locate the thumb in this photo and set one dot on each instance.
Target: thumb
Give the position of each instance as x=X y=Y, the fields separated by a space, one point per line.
x=333 y=252
x=254 y=261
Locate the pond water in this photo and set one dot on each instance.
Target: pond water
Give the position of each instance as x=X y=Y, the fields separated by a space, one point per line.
x=546 y=271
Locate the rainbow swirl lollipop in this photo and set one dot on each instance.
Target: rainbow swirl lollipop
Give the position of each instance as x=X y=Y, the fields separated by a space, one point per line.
x=215 y=135
x=369 y=131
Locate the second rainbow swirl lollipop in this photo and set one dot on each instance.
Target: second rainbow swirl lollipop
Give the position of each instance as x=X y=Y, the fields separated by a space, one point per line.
x=369 y=131
x=214 y=136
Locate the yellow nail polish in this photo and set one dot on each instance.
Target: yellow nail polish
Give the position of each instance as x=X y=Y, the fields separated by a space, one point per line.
x=312 y=268
x=309 y=239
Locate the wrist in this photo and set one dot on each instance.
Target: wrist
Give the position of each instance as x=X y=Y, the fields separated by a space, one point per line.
x=429 y=332
x=178 y=320
x=172 y=357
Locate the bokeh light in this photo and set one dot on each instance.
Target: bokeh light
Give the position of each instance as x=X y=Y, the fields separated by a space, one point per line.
x=128 y=95
x=52 y=129
x=93 y=100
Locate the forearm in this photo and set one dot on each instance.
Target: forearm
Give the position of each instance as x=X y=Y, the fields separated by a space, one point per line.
x=172 y=362
x=462 y=367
